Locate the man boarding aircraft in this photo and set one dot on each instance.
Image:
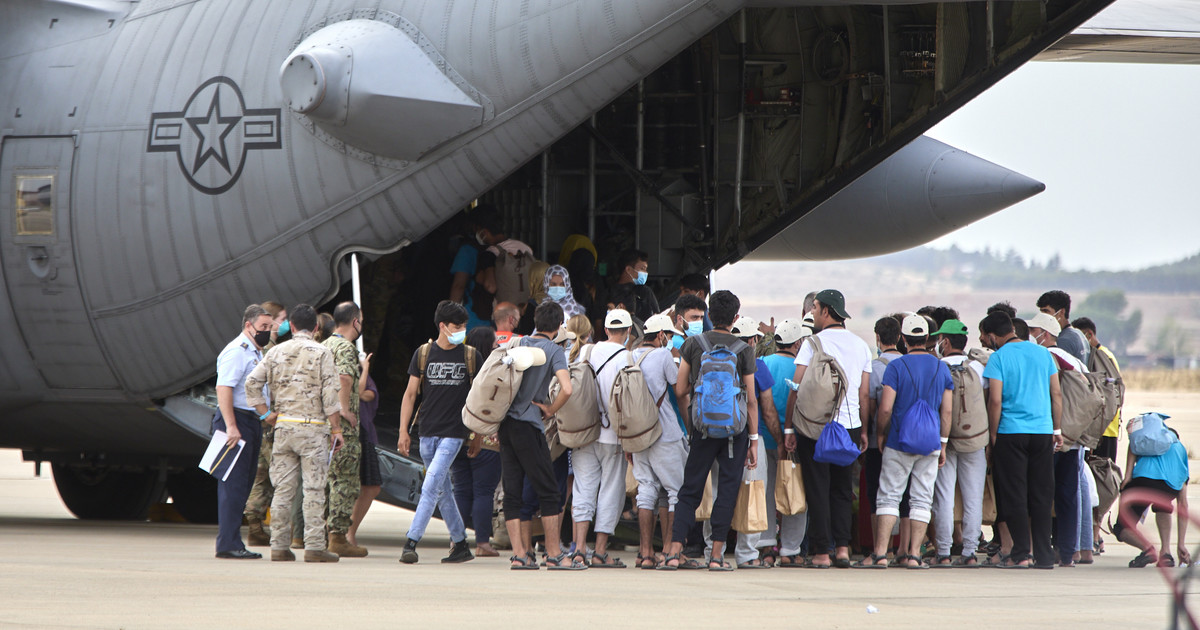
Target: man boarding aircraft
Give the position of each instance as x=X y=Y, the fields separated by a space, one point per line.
x=165 y=162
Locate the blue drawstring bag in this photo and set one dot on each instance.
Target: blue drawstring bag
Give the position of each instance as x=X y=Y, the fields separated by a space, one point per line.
x=919 y=432
x=834 y=445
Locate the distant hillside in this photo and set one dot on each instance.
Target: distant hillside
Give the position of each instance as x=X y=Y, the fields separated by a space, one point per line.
x=994 y=270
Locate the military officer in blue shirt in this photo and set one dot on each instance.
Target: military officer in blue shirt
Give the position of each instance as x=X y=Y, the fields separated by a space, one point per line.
x=240 y=422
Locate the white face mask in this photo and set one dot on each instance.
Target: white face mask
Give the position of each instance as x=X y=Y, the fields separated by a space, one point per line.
x=937 y=349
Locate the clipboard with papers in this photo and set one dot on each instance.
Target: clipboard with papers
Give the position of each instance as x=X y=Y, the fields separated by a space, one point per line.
x=219 y=458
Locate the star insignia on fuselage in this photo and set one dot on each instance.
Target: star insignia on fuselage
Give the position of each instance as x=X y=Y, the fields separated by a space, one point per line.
x=216 y=125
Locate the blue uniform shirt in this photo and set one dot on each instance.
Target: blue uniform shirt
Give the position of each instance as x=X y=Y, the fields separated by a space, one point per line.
x=234 y=364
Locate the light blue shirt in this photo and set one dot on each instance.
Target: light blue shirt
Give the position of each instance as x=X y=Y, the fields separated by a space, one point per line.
x=1170 y=467
x=1024 y=370
x=234 y=364
x=782 y=367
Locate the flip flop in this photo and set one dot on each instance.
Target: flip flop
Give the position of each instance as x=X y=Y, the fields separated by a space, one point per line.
x=605 y=563
x=721 y=565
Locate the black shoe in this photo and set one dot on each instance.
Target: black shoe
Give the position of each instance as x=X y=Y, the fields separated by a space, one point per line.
x=410 y=552
x=460 y=552
x=693 y=551
x=240 y=554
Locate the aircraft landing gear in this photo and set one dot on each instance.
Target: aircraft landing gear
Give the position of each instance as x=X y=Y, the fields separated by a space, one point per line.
x=194 y=495
x=107 y=493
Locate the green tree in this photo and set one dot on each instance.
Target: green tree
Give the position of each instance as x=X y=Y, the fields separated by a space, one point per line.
x=1105 y=308
x=1171 y=340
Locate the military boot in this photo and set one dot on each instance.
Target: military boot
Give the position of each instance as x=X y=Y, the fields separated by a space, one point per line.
x=258 y=536
x=282 y=555
x=321 y=555
x=342 y=547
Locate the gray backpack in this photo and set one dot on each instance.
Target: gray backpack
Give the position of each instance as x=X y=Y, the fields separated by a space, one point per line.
x=512 y=276
x=493 y=390
x=632 y=410
x=821 y=392
x=1101 y=363
x=1083 y=405
x=968 y=417
x=579 y=419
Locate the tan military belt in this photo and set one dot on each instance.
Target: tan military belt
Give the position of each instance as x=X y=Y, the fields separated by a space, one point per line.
x=300 y=420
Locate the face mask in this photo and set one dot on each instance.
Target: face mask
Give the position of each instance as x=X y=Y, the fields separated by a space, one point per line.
x=676 y=342
x=284 y=328
x=479 y=238
x=557 y=293
x=458 y=337
x=937 y=350
x=642 y=276
x=695 y=328
x=262 y=338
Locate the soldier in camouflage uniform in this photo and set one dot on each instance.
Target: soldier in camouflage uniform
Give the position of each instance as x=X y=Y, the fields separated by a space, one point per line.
x=261 y=493
x=304 y=386
x=345 y=483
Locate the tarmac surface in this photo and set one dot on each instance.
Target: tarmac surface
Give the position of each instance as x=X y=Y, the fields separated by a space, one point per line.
x=59 y=572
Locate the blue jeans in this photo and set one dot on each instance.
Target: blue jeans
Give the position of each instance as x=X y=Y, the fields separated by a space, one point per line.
x=438 y=454
x=1066 y=503
x=475 y=481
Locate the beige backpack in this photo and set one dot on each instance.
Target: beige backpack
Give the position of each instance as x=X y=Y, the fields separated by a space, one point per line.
x=496 y=384
x=579 y=419
x=820 y=393
x=632 y=408
x=968 y=417
x=512 y=276
x=1083 y=405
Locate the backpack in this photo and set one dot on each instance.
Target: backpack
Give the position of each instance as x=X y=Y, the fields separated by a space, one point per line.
x=834 y=446
x=422 y=361
x=1149 y=436
x=493 y=390
x=719 y=408
x=579 y=420
x=1108 y=482
x=512 y=274
x=979 y=354
x=968 y=418
x=1101 y=363
x=920 y=430
x=820 y=393
x=632 y=408
x=1083 y=405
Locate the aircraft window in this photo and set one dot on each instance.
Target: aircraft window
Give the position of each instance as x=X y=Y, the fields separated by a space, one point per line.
x=35 y=205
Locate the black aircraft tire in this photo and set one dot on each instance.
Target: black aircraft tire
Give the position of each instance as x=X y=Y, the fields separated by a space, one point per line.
x=106 y=493
x=194 y=495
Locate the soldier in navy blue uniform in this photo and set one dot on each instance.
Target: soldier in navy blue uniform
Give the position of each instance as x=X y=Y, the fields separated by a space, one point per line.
x=240 y=422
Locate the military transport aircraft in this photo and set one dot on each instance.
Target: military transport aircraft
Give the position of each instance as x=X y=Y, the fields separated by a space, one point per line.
x=166 y=162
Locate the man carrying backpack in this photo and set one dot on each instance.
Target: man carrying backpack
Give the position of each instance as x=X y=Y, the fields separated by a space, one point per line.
x=966 y=457
x=442 y=374
x=599 y=489
x=658 y=469
x=715 y=382
x=829 y=488
x=887 y=336
x=502 y=269
x=914 y=426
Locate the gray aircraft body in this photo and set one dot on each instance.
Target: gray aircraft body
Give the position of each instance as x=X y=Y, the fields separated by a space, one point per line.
x=163 y=163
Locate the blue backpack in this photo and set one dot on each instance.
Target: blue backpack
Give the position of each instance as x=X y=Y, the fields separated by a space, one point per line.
x=834 y=445
x=919 y=432
x=1149 y=436
x=719 y=405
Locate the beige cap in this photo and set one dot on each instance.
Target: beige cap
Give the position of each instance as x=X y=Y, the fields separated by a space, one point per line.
x=789 y=331
x=1046 y=322
x=618 y=318
x=914 y=326
x=745 y=327
x=658 y=323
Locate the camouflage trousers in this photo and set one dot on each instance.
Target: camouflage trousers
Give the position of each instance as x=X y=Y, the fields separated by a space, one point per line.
x=263 y=491
x=300 y=453
x=345 y=481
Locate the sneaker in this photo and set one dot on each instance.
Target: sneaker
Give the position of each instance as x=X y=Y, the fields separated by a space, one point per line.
x=460 y=552
x=410 y=552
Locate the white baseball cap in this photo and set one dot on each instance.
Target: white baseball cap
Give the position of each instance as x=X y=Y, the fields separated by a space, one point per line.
x=745 y=327
x=789 y=331
x=618 y=318
x=914 y=326
x=1046 y=322
x=658 y=323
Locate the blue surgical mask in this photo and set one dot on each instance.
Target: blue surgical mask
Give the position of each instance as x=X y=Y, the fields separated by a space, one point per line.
x=458 y=337
x=284 y=328
x=641 y=278
x=695 y=328
x=557 y=293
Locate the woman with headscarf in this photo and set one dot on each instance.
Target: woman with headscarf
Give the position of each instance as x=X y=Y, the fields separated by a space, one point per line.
x=556 y=284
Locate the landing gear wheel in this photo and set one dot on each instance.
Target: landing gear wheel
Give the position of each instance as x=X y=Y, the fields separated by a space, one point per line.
x=194 y=495
x=104 y=493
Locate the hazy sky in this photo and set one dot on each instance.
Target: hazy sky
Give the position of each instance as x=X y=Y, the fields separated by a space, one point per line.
x=1118 y=147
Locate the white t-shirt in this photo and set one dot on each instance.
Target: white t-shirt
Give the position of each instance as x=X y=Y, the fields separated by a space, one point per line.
x=601 y=353
x=853 y=354
x=959 y=359
x=660 y=372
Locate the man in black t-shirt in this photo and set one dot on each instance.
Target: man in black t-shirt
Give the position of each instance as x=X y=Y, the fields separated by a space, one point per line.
x=731 y=454
x=443 y=381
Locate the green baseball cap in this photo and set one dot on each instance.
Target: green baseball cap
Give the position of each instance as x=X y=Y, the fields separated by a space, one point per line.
x=834 y=300
x=952 y=327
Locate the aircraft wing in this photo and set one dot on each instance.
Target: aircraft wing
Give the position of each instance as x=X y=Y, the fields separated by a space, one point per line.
x=1135 y=31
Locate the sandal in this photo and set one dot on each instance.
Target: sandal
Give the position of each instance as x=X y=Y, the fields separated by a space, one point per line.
x=663 y=566
x=1147 y=557
x=769 y=556
x=522 y=563
x=605 y=563
x=809 y=564
x=921 y=565
x=943 y=562
x=564 y=562
x=1165 y=560
x=690 y=564
x=995 y=564
x=966 y=562
x=1008 y=563
x=756 y=563
x=642 y=560
x=899 y=560
x=871 y=562
x=841 y=563
x=721 y=565
x=793 y=562
x=1098 y=546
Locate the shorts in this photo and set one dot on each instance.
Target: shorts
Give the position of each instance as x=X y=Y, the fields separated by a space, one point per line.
x=1138 y=508
x=368 y=471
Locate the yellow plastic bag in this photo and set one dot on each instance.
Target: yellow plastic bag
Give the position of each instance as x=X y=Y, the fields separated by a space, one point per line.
x=750 y=513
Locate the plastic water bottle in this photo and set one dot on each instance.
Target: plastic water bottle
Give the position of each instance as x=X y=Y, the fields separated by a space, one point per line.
x=871 y=610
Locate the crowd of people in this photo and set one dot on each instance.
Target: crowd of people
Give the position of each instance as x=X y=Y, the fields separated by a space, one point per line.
x=674 y=417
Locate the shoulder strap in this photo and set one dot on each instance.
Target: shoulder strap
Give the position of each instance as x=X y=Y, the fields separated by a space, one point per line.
x=705 y=343
x=469 y=358
x=816 y=342
x=422 y=361
x=640 y=359
x=1063 y=364
x=610 y=358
